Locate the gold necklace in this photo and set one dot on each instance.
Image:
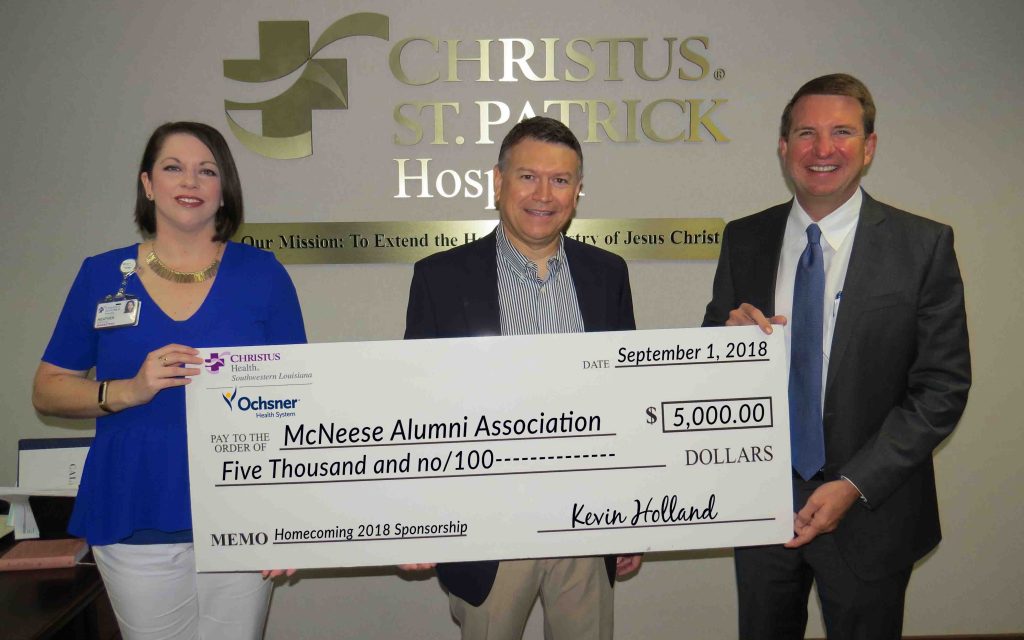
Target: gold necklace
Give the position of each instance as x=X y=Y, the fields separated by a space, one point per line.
x=167 y=273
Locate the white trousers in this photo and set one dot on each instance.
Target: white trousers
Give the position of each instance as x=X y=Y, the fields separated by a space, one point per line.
x=157 y=595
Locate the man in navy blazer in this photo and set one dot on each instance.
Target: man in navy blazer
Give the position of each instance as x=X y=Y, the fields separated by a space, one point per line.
x=896 y=372
x=527 y=277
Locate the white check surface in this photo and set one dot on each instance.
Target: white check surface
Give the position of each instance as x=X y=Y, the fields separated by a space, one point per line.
x=380 y=453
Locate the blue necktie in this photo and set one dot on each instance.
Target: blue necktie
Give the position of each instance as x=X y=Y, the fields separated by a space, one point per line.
x=805 y=431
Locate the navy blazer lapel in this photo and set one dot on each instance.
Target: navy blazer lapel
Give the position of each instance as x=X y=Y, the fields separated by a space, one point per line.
x=869 y=244
x=480 y=296
x=586 y=278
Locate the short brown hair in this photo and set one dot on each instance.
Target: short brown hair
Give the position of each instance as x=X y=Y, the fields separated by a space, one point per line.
x=229 y=215
x=543 y=129
x=835 y=84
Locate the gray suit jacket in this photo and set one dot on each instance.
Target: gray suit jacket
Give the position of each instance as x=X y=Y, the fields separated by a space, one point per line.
x=898 y=374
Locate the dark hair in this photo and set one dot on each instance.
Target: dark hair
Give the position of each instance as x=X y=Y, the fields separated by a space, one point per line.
x=543 y=129
x=229 y=215
x=835 y=84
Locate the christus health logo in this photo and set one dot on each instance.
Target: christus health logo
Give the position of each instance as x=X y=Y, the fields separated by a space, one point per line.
x=215 y=362
x=287 y=119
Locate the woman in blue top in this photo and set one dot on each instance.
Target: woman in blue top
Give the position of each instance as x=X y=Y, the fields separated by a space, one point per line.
x=188 y=287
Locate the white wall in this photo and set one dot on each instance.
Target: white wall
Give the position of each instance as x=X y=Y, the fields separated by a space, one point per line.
x=84 y=83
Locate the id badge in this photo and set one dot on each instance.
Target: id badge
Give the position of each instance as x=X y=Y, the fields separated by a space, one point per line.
x=117 y=312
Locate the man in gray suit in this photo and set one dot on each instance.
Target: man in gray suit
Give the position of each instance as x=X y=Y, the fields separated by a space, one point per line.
x=880 y=291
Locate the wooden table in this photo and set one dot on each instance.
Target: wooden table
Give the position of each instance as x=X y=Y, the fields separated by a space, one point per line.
x=56 y=603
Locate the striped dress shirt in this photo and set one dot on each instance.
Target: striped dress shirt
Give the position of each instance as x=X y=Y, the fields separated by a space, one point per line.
x=530 y=305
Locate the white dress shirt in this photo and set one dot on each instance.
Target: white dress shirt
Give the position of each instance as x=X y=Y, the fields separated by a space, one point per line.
x=837 y=235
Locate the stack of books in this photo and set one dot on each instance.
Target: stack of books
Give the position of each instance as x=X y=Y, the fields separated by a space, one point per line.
x=43 y=554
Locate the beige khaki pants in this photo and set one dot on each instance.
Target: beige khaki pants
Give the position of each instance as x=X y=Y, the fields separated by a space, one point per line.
x=575 y=593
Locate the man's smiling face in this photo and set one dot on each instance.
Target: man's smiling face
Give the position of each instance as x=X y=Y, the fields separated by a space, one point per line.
x=826 y=151
x=536 y=195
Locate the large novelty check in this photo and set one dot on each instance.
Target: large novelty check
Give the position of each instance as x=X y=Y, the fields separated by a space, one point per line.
x=379 y=453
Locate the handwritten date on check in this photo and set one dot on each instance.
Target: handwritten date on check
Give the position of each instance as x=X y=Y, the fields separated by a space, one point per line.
x=381 y=453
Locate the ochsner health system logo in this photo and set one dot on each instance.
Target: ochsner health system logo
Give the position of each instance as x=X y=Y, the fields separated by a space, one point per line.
x=229 y=398
x=262 y=407
x=287 y=119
